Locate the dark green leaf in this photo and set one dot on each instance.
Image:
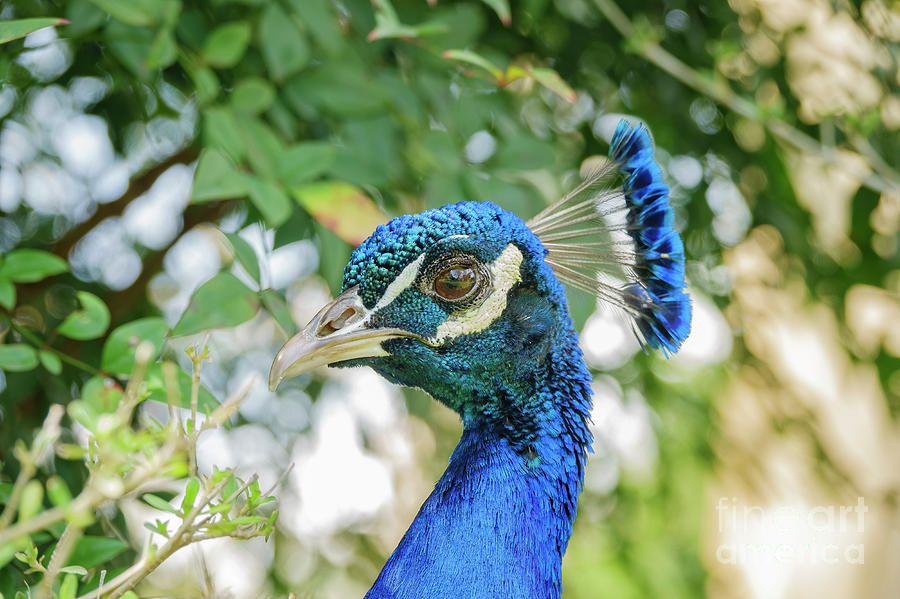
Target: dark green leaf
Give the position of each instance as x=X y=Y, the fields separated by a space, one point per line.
x=222 y=301
x=271 y=201
x=118 y=351
x=501 y=7
x=91 y=551
x=217 y=178
x=89 y=321
x=30 y=266
x=225 y=46
x=283 y=46
x=252 y=95
x=244 y=255
x=18 y=357
x=305 y=161
x=11 y=30
x=264 y=148
x=221 y=129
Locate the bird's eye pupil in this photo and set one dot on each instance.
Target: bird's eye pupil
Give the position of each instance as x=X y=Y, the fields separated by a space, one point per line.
x=454 y=283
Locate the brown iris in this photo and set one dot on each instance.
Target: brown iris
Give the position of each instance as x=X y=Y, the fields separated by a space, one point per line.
x=455 y=282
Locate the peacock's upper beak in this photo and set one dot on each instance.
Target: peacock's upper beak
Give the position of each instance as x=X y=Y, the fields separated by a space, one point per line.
x=337 y=333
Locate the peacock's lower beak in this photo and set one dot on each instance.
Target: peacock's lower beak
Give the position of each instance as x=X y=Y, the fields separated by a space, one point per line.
x=337 y=333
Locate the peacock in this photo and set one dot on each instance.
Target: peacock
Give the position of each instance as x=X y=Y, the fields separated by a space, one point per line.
x=467 y=303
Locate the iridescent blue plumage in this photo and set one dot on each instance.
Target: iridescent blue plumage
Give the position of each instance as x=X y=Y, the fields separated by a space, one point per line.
x=466 y=302
x=659 y=294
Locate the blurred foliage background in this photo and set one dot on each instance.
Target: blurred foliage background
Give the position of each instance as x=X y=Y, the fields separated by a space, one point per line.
x=187 y=171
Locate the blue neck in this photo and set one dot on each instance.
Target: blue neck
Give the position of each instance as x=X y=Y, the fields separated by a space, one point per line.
x=500 y=517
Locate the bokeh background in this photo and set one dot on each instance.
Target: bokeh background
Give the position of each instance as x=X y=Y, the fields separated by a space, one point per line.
x=777 y=123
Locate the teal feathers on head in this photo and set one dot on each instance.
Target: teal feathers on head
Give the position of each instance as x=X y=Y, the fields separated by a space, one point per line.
x=619 y=242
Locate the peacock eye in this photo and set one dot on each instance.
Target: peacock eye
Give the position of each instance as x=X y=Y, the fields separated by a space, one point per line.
x=455 y=283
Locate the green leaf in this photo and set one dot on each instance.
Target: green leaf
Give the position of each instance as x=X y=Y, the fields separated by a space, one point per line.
x=245 y=255
x=225 y=46
x=88 y=322
x=118 y=351
x=140 y=13
x=159 y=503
x=7 y=293
x=18 y=357
x=277 y=307
x=80 y=570
x=101 y=394
x=221 y=129
x=340 y=207
x=305 y=161
x=552 y=81
x=91 y=551
x=222 y=301
x=50 y=361
x=501 y=7
x=217 y=178
x=271 y=201
x=252 y=95
x=30 y=266
x=69 y=587
x=163 y=51
x=190 y=494
x=32 y=500
x=284 y=47
x=12 y=30
x=264 y=147
x=474 y=59
x=58 y=491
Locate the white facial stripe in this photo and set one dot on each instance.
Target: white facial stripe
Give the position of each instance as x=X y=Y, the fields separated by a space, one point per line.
x=406 y=278
x=505 y=272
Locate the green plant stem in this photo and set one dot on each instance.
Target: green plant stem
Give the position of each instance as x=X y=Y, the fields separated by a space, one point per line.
x=26 y=471
x=885 y=179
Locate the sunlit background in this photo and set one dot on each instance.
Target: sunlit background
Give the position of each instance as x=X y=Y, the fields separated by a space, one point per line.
x=723 y=471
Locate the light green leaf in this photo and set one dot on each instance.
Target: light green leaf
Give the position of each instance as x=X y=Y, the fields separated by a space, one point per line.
x=340 y=207
x=69 y=587
x=12 y=30
x=58 y=491
x=118 y=351
x=245 y=255
x=305 y=161
x=252 y=95
x=7 y=293
x=101 y=394
x=264 y=147
x=18 y=357
x=80 y=570
x=223 y=301
x=271 y=201
x=32 y=500
x=217 y=178
x=190 y=494
x=30 y=266
x=159 y=503
x=225 y=46
x=552 y=81
x=91 y=551
x=88 y=322
x=277 y=307
x=50 y=361
x=284 y=48
x=501 y=7
x=474 y=59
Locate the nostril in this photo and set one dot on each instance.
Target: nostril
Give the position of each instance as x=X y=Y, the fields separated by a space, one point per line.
x=336 y=324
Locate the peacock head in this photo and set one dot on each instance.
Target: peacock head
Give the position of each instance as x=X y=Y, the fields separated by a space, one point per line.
x=466 y=300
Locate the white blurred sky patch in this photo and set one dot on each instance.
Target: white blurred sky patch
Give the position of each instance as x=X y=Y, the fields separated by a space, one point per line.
x=710 y=339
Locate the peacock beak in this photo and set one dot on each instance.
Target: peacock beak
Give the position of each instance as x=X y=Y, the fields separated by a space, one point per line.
x=337 y=333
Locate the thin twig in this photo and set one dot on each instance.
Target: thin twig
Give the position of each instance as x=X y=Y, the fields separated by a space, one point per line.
x=886 y=178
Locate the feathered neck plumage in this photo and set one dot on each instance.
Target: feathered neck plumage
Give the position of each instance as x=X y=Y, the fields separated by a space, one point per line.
x=500 y=517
